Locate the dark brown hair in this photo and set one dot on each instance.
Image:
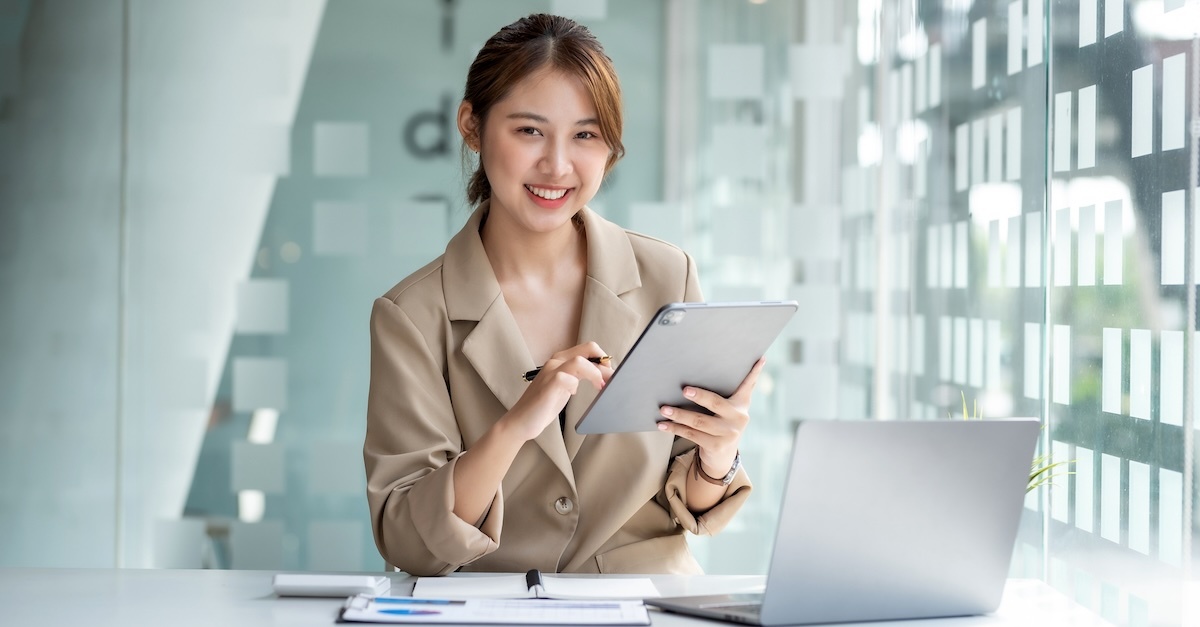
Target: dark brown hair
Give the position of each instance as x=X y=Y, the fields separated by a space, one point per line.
x=526 y=46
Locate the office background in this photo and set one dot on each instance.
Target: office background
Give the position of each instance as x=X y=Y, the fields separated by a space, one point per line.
x=991 y=201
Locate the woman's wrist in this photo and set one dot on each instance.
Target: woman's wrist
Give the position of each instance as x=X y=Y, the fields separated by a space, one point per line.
x=719 y=465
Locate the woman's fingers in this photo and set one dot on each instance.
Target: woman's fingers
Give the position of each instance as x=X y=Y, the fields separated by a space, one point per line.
x=741 y=395
x=718 y=434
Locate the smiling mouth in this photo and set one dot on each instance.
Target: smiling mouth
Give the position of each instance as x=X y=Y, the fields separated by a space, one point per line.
x=548 y=194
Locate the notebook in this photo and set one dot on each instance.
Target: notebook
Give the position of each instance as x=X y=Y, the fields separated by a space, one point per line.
x=886 y=520
x=533 y=585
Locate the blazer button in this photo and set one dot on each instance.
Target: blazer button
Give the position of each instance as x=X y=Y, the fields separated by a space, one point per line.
x=564 y=506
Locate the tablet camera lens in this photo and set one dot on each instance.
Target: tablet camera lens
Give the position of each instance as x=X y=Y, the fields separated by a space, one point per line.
x=671 y=318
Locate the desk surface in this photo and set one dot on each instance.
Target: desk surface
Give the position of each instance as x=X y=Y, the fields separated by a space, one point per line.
x=103 y=598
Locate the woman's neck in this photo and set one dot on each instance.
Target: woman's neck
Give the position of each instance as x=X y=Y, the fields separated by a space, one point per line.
x=520 y=255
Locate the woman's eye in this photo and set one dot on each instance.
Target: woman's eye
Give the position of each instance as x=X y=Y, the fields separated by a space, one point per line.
x=586 y=135
x=526 y=130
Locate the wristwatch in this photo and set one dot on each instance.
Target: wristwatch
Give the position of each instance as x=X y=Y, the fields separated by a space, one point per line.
x=723 y=481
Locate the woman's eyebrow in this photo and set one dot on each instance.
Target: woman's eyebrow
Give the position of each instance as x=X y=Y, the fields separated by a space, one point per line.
x=524 y=115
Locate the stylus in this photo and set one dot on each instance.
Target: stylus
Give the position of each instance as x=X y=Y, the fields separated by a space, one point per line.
x=532 y=374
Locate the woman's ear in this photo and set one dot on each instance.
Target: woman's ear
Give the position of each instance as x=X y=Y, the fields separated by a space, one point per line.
x=468 y=126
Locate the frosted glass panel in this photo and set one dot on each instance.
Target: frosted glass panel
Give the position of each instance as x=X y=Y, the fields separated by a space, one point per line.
x=333 y=468
x=1139 y=374
x=256 y=546
x=258 y=467
x=740 y=151
x=262 y=306
x=735 y=71
x=339 y=228
x=341 y=149
x=1142 y=110
x=1087 y=22
x=1085 y=477
x=335 y=546
x=259 y=383
x=580 y=9
x=661 y=220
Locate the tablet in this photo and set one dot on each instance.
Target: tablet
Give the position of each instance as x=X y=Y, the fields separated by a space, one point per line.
x=706 y=345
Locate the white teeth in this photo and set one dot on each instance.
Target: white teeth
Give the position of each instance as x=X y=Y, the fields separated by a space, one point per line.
x=548 y=194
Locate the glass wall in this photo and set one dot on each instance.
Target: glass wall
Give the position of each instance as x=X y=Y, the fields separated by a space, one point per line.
x=989 y=201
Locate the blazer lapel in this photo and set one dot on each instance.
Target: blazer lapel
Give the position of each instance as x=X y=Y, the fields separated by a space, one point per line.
x=606 y=320
x=495 y=348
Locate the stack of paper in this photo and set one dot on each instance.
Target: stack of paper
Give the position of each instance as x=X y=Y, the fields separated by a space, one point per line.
x=368 y=609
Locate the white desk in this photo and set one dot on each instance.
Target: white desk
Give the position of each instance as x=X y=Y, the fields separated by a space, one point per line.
x=134 y=598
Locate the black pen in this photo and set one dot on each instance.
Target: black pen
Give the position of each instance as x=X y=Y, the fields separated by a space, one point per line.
x=532 y=374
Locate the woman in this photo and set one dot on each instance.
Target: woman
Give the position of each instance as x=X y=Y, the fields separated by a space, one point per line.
x=468 y=465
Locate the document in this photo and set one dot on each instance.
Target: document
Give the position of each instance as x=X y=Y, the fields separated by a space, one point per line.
x=368 y=609
x=533 y=585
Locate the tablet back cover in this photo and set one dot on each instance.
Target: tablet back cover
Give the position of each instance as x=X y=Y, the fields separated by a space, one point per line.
x=706 y=345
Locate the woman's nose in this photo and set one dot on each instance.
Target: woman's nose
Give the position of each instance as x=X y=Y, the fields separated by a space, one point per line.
x=556 y=161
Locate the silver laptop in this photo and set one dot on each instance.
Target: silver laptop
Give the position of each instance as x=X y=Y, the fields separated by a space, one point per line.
x=886 y=520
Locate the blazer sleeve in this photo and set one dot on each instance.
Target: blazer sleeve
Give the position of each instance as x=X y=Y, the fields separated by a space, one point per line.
x=412 y=445
x=674 y=494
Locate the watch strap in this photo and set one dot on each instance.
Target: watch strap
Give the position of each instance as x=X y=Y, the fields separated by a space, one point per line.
x=723 y=481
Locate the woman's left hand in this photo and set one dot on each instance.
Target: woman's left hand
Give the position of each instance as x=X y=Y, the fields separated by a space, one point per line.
x=718 y=435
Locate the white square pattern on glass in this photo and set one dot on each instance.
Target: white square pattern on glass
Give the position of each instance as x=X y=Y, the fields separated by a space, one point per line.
x=1016 y=34
x=662 y=220
x=738 y=231
x=1110 y=497
x=808 y=391
x=1139 y=373
x=420 y=229
x=1086 y=135
x=341 y=149
x=735 y=71
x=815 y=232
x=339 y=228
x=580 y=9
x=1087 y=22
x=258 y=467
x=816 y=71
x=256 y=546
x=1170 y=383
x=259 y=383
x=1111 y=382
x=262 y=306
x=1173 y=233
x=335 y=467
x=1114 y=17
x=335 y=545
x=1062 y=131
x=1085 y=476
x=1087 y=245
x=979 y=53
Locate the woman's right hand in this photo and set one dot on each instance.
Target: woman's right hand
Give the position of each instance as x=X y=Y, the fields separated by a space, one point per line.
x=549 y=392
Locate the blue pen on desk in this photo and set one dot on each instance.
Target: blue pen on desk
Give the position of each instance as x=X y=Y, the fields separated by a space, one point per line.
x=408 y=612
x=412 y=601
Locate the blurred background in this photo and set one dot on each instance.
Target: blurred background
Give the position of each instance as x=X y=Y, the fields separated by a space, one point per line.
x=988 y=202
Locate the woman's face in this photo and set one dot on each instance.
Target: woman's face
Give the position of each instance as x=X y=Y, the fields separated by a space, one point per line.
x=542 y=151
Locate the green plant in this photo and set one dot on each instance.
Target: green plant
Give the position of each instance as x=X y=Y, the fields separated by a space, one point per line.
x=1041 y=471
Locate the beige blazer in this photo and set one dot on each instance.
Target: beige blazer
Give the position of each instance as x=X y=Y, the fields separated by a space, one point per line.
x=446 y=360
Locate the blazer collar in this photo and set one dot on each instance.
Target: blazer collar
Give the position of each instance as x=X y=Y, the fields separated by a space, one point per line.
x=607 y=319
x=471 y=285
